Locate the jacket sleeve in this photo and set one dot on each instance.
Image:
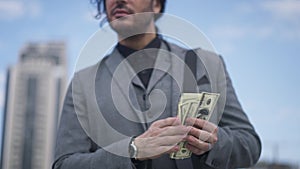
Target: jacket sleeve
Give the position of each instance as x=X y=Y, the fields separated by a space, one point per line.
x=238 y=144
x=74 y=149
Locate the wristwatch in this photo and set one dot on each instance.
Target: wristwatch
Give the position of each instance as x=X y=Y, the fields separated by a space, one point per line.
x=132 y=149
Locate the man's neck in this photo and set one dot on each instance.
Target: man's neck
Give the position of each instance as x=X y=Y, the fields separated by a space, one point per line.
x=138 y=42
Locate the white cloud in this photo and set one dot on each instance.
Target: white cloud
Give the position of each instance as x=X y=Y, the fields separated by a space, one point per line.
x=283 y=9
x=277 y=19
x=11 y=9
x=228 y=36
x=15 y=9
x=234 y=32
x=230 y=31
x=225 y=35
x=245 y=7
x=34 y=9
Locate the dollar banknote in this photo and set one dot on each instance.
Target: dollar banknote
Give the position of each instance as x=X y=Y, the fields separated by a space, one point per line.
x=193 y=105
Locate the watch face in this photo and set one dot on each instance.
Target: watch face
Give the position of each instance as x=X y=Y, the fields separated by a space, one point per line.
x=132 y=150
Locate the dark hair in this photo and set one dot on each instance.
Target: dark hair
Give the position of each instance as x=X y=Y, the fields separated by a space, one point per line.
x=100 y=5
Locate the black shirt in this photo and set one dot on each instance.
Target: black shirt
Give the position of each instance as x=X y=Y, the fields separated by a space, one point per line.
x=140 y=60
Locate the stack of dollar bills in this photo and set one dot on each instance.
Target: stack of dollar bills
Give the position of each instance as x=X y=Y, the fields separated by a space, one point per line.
x=194 y=105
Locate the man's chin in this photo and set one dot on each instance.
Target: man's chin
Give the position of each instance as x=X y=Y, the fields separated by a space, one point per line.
x=127 y=19
x=124 y=27
x=121 y=26
x=131 y=25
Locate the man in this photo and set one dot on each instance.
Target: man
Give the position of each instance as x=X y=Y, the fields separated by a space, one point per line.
x=146 y=132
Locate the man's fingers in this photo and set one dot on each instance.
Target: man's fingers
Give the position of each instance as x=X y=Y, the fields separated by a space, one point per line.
x=169 y=140
x=202 y=124
x=194 y=150
x=203 y=135
x=174 y=130
x=204 y=146
x=159 y=141
x=157 y=146
x=173 y=149
x=171 y=121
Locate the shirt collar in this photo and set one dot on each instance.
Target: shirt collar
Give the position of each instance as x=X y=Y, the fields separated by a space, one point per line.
x=126 y=51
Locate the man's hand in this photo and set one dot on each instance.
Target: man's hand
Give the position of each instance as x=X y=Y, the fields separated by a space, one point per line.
x=202 y=136
x=162 y=137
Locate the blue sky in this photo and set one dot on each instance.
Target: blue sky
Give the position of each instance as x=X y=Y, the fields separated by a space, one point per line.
x=258 y=39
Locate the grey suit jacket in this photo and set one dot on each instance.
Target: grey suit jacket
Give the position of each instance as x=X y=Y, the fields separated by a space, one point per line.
x=106 y=105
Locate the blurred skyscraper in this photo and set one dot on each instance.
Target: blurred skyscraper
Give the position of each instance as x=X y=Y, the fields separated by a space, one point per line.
x=34 y=93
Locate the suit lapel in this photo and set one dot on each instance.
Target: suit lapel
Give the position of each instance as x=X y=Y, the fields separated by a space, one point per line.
x=122 y=74
x=161 y=67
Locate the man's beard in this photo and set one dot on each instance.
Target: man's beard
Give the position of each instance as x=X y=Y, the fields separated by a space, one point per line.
x=133 y=24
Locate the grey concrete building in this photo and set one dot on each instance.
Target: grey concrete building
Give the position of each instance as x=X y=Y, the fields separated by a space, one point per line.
x=34 y=93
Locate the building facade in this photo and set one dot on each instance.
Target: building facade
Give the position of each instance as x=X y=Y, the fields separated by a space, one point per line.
x=34 y=94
